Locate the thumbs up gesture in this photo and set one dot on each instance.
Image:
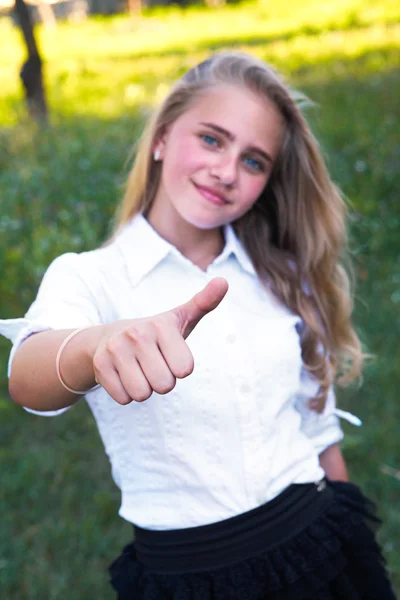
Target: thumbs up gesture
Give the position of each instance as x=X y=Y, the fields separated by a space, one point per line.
x=136 y=357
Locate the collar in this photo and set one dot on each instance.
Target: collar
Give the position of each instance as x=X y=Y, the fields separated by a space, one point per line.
x=234 y=247
x=143 y=248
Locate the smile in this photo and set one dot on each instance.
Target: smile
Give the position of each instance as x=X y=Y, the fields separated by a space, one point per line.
x=211 y=195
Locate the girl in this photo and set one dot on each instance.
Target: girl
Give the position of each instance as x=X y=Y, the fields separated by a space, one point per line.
x=231 y=471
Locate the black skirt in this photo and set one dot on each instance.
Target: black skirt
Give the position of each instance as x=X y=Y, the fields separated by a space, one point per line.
x=312 y=542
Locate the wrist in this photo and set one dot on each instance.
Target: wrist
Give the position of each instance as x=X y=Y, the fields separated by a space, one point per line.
x=333 y=463
x=74 y=360
x=90 y=340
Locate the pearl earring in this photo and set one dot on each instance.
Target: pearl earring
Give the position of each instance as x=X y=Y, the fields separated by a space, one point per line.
x=157 y=154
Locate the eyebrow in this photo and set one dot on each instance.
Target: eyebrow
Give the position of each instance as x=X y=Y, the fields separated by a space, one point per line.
x=231 y=137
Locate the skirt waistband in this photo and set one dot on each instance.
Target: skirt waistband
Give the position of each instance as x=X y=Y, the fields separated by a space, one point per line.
x=225 y=542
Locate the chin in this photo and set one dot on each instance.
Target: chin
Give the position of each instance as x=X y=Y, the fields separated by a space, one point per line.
x=205 y=223
x=204 y=219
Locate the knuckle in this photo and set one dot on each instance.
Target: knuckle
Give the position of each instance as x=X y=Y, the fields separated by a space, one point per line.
x=113 y=345
x=123 y=400
x=185 y=369
x=99 y=362
x=162 y=322
x=166 y=386
x=141 y=394
x=141 y=397
x=139 y=335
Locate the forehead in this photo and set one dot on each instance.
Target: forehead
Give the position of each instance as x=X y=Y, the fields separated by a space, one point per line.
x=248 y=116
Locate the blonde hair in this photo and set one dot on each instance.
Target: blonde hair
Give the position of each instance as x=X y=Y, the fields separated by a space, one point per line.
x=295 y=233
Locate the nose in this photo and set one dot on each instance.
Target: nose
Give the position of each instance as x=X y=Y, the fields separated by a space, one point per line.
x=225 y=170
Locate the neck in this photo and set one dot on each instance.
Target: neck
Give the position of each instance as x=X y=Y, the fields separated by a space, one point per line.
x=200 y=246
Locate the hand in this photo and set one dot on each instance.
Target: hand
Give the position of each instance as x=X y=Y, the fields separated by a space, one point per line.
x=136 y=357
x=333 y=463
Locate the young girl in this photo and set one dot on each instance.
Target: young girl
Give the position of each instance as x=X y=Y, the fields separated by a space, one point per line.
x=207 y=335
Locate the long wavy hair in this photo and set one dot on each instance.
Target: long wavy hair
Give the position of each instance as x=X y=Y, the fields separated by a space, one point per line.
x=295 y=234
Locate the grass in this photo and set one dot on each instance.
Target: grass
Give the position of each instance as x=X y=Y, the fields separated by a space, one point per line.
x=58 y=190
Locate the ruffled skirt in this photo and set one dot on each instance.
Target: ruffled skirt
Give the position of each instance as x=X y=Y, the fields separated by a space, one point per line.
x=310 y=543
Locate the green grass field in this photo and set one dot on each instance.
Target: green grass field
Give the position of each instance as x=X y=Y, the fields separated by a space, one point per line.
x=58 y=189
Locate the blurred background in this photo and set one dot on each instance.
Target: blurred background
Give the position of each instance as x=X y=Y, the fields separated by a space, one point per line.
x=64 y=156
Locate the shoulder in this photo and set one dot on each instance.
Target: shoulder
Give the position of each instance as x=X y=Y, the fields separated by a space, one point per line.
x=89 y=273
x=81 y=283
x=88 y=264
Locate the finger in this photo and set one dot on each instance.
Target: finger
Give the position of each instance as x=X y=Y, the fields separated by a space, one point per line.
x=190 y=313
x=133 y=379
x=109 y=379
x=156 y=370
x=176 y=352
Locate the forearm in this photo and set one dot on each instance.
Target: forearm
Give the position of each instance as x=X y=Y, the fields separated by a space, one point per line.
x=34 y=382
x=333 y=463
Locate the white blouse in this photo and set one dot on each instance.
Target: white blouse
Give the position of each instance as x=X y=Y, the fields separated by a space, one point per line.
x=233 y=434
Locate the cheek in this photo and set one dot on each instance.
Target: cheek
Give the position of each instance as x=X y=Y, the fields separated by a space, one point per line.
x=254 y=187
x=184 y=158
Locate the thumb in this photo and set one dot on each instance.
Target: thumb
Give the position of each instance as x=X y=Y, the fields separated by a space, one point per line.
x=190 y=313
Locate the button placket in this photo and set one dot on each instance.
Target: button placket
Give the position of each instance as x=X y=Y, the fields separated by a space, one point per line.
x=235 y=355
x=243 y=369
x=250 y=427
x=254 y=420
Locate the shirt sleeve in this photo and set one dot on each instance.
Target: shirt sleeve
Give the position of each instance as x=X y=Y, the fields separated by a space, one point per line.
x=66 y=299
x=323 y=429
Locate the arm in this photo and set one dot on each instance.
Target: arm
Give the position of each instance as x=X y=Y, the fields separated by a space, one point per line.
x=322 y=429
x=130 y=358
x=333 y=463
x=34 y=382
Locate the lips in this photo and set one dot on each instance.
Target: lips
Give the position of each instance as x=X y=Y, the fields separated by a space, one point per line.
x=212 y=195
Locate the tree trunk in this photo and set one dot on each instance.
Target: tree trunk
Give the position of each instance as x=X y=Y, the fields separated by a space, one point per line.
x=134 y=7
x=31 y=71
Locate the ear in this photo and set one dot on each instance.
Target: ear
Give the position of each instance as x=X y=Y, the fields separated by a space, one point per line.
x=158 y=149
x=159 y=144
x=157 y=154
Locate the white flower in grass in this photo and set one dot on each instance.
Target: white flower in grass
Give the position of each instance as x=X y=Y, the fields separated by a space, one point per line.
x=134 y=93
x=360 y=166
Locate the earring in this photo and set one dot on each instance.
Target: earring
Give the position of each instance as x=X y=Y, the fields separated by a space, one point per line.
x=157 y=154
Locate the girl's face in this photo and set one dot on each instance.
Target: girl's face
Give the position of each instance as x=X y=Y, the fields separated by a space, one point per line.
x=217 y=157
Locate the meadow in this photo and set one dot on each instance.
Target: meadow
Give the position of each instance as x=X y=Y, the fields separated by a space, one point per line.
x=59 y=187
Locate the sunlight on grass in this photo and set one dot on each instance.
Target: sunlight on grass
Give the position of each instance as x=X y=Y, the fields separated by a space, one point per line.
x=83 y=82
x=86 y=87
x=177 y=29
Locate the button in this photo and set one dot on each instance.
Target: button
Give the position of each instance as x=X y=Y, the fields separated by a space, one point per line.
x=321 y=485
x=231 y=338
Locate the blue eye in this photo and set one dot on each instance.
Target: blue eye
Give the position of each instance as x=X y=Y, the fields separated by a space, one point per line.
x=209 y=140
x=253 y=164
